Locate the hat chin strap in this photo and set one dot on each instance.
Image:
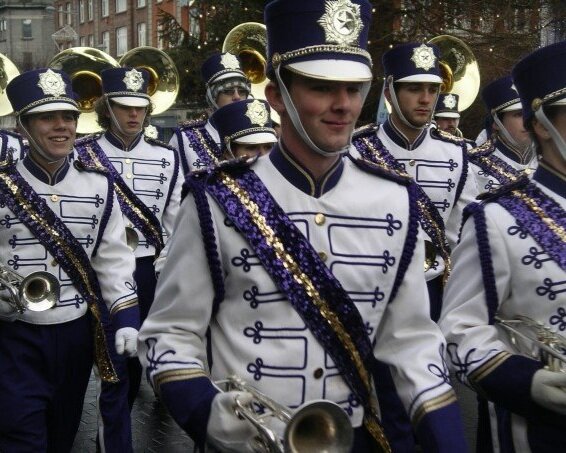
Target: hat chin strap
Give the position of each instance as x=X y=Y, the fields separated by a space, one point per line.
x=509 y=141
x=554 y=134
x=38 y=149
x=211 y=102
x=295 y=119
x=395 y=104
x=115 y=121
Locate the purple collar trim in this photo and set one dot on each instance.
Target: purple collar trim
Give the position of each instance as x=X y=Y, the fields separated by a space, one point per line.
x=399 y=138
x=300 y=177
x=133 y=208
x=34 y=168
x=541 y=216
x=118 y=143
x=53 y=234
x=511 y=153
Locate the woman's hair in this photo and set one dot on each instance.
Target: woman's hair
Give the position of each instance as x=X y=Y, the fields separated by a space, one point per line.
x=102 y=113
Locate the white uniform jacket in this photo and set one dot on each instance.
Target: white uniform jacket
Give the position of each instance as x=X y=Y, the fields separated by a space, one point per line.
x=190 y=160
x=500 y=270
x=151 y=170
x=86 y=203
x=360 y=225
x=438 y=163
x=485 y=163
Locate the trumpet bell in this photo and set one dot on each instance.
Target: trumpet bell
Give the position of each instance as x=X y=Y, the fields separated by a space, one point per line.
x=8 y=71
x=459 y=69
x=249 y=42
x=83 y=65
x=39 y=291
x=319 y=426
x=164 y=79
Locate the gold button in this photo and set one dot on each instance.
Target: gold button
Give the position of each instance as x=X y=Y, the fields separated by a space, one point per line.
x=54 y=198
x=318 y=373
x=128 y=161
x=412 y=162
x=129 y=176
x=54 y=262
x=319 y=219
x=528 y=171
x=323 y=256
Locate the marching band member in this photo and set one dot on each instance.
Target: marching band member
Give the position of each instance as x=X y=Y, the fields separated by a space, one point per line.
x=446 y=114
x=245 y=128
x=508 y=151
x=148 y=184
x=304 y=267
x=61 y=217
x=511 y=263
x=197 y=141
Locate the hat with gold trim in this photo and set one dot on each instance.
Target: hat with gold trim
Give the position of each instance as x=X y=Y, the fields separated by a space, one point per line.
x=501 y=96
x=126 y=86
x=413 y=62
x=540 y=78
x=246 y=121
x=41 y=90
x=221 y=66
x=323 y=39
x=447 y=106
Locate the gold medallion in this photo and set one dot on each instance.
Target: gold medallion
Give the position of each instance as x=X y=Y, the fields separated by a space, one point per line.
x=342 y=22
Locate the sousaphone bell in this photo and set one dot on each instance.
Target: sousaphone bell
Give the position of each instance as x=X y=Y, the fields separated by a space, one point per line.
x=8 y=71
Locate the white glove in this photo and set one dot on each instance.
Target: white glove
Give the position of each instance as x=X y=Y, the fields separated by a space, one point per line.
x=549 y=390
x=126 y=341
x=225 y=430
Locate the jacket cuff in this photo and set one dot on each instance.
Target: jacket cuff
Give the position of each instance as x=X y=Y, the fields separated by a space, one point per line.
x=442 y=430
x=189 y=402
x=125 y=314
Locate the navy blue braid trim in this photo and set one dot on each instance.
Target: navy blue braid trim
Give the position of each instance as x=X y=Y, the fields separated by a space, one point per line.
x=488 y=273
x=196 y=186
x=464 y=176
x=173 y=181
x=410 y=241
x=181 y=149
x=106 y=214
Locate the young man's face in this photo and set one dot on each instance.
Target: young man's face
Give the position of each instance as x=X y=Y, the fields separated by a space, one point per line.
x=130 y=119
x=513 y=122
x=449 y=125
x=417 y=101
x=53 y=132
x=328 y=110
x=230 y=95
x=241 y=149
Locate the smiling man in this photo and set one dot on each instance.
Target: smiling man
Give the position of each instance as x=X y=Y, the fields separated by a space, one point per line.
x=296 y=272
x=147 y=176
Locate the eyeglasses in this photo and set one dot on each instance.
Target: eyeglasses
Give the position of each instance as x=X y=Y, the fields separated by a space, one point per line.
x=235 y=90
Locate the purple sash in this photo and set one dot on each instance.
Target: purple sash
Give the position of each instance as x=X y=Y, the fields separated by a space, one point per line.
x=541 y=216
x=201 y=142
x=371 y=148
x=302 y=276
x=133 y=208
x=32 y=210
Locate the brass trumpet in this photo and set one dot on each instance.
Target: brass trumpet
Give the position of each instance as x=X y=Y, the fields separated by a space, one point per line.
x=318 y=426
x=39 y=291
x=536 y=340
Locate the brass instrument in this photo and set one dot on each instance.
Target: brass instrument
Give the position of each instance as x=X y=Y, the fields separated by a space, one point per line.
x=249 y=42
x=319 y=426
x=536 y=340
x=8 y=71
x=39 y=291
x=459 y=69
x=83 y=65
x=164 y=81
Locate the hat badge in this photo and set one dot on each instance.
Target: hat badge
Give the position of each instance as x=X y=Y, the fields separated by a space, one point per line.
x=51 y=83
x=423 y=57
x=514 y=88
x=341 y=22
x=229 y=61
x=133 y=80
x=450 y=101
x=257 y=113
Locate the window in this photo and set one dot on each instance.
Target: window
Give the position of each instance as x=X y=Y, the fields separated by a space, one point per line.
x=82 y=11
x=90 y=40
x=26 y=29
x=105 y=41
x=141 y=3
x=160 y=41
x=69 y=15
x=104 y=8
x=141 y=34
x=90 y=10
x=82 y=41
x=61 y=18
x=120 y=6
x=121 y=40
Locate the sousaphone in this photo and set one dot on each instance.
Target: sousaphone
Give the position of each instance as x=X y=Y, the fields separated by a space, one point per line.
x=459 y=69
x=8 y=71
x=164 y=82
x=83 y=65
